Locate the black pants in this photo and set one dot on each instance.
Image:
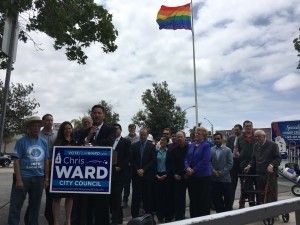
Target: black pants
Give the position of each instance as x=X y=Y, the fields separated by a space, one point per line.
x=79 y=209
x=164 y=198
x=272 y=189
x=170 y=200
x=48 y=207
x=248 y=183
x=117 y=184
x=180 y=187
x=98 y=209
x=127 y=184
x=199 y=192
x=234 y=172
x=142 y=189
x=221 y=192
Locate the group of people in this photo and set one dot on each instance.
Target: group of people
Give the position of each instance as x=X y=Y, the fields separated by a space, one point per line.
x=160 y=173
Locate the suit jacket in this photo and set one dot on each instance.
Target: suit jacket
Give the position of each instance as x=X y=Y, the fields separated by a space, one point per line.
x=148 y=162
x=123 y=150
x=106 y=136
x=230 y=142
x=265 y=154
x=123 y=157
x=245 y=149
x=223 y=163
x=177 y=156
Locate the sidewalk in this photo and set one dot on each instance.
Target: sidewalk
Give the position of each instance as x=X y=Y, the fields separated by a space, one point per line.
x=5 y=187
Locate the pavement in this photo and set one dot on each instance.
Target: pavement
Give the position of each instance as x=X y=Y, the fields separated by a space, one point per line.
x=284 y=187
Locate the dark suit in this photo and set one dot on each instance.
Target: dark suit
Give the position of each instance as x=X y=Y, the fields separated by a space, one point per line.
x=142 y=187
x=263 y=156
x=97 y=204
x=177 y=156
x=106 y=136
x=118 y=179
x=235 y=170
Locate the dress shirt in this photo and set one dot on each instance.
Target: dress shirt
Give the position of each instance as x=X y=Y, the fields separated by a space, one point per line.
x=116 y=143
x=218 y=152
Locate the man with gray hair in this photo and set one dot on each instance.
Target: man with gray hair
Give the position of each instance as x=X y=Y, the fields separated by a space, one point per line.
x=266 y=159
x=31 y=172
x=86 y=121
x=143 y=161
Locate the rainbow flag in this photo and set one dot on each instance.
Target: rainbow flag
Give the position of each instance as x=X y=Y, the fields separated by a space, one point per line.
x=174 y=18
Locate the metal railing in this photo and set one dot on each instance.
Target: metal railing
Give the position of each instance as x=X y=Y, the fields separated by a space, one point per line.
x=248 y=215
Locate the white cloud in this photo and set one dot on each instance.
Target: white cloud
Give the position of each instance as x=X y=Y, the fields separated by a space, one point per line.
x=241 y=47
x=288 y=82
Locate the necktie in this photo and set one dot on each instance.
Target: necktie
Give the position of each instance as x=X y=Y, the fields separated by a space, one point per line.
x=97 y=132
x=142 y=147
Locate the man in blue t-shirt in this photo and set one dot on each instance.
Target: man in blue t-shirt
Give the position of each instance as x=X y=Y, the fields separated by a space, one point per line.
x=31 y=172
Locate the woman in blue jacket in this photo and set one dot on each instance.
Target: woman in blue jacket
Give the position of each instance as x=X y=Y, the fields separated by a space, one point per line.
x=198 y=173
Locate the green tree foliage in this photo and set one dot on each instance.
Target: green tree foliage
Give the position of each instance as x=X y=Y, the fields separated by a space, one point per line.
x=297 y=47
x=111 y=117
x=73 y=24
x=77 y=125
x=160 y=111
x=19 y=106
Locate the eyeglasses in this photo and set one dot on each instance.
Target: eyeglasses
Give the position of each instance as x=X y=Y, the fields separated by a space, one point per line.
x=166 y=133
x=217 y=139
x=256 y=136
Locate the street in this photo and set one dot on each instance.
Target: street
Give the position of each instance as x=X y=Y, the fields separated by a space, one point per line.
x=284 y=187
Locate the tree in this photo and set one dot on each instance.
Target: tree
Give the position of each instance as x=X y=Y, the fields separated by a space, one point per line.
x=73 y=24
x=19 y=106
x=160 y=111
x=110 y=116
x=297 y=47
x=77 y=125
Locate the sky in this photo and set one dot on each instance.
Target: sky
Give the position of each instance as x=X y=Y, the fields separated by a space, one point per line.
x=245 y=64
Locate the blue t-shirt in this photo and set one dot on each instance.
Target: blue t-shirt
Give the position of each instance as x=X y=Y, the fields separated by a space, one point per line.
x=32 y=154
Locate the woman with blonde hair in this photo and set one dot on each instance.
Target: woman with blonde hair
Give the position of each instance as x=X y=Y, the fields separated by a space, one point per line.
x=198 y=173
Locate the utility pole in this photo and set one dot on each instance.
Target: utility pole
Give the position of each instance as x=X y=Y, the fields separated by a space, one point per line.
x=212 y=127
x=13 y=19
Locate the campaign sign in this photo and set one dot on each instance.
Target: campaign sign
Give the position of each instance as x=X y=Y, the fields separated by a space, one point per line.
x=81 y=170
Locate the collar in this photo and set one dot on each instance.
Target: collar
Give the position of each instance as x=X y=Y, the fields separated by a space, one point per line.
x=143 y=142
x=51 y=133
x=263 y=143
x=162 y=150
x=219 y=148
x=118 y=138
x=99 y=127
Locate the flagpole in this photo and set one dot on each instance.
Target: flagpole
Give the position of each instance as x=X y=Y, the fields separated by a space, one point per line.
x=194 y=63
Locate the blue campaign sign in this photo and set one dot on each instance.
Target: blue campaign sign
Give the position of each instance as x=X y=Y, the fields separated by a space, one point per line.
x=81 y=169
x=287 y=136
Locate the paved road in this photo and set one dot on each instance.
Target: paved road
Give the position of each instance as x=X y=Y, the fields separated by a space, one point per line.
x=5 y=187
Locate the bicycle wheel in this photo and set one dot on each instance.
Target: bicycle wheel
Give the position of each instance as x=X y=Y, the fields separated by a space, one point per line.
x=285 y=217
x=269 y=221
x=296 y=190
